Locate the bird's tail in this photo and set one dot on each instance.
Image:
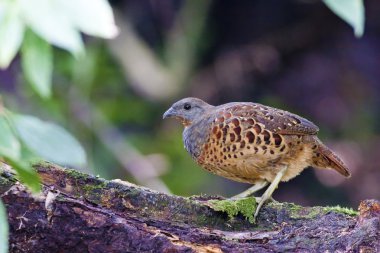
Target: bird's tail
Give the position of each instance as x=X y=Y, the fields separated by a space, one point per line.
x=326 y=158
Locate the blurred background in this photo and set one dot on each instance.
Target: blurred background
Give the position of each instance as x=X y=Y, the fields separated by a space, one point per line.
x=295 y=55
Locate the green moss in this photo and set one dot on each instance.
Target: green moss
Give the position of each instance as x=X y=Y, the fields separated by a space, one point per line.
x=293 y=207
x=92 y=188
x=300 y=212
x=307 y=213
x=246 y=207
x=5 y=184
x=339 y=209
x=202 y=220
x=75 y=174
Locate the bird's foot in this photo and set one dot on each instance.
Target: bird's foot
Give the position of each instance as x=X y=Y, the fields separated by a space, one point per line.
x=269 y=191
x=256 y=187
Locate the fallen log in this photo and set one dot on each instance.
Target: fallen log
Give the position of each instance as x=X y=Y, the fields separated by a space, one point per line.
x=76 y=212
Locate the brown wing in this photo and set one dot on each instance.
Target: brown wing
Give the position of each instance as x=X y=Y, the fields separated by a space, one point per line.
x=275 y=120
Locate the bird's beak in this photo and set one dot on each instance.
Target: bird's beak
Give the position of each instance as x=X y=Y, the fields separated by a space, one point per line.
x=169 y=113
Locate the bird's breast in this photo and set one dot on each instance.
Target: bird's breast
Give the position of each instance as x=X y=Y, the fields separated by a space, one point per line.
x=194 y=137
x=234 y=148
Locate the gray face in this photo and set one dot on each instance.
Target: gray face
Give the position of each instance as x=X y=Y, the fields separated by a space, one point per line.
x=187 y=110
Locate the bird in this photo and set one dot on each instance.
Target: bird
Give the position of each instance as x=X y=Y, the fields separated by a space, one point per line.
x=252 y=143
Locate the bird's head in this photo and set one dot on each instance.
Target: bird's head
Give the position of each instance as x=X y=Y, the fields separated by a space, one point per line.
x=187 y=110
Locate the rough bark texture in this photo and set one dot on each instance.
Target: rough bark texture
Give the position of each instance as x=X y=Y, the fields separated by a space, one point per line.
x=82 y=213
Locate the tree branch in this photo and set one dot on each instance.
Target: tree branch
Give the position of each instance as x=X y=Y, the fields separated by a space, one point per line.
x=81 y=213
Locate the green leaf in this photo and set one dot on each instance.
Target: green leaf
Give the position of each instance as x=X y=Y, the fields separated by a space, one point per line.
x=28 y=156
x=49 y=141
x=4 y=229
x=11 y=32
x=37 y=63
x=351 y=11
x=9 y=144
x=47 y=19
x=97 y=20
x=26 y=174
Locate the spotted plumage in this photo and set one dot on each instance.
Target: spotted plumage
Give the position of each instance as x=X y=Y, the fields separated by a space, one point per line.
x=250 y=142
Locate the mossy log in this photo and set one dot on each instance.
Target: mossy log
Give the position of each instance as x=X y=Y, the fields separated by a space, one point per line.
x=81 y=213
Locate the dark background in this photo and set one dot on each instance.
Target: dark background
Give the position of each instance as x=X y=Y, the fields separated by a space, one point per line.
x=294 y=55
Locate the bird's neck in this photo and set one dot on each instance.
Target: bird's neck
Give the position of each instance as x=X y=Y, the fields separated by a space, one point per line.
x=194 y=136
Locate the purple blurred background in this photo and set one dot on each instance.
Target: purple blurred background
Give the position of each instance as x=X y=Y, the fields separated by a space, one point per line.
x=294 y=55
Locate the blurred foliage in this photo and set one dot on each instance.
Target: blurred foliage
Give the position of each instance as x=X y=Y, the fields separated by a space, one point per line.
x=294 y=55
x=34 y=25
x=102 y=89
x=351 y=11
x=37 y=24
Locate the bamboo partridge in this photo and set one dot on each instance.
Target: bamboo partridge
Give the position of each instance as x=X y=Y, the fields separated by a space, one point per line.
x=252 y=143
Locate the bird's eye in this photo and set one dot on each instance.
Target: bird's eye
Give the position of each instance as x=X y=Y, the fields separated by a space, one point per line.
x=187 y=106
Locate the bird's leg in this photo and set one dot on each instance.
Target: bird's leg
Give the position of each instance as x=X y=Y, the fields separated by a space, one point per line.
x=268 y=193
x=258 y=186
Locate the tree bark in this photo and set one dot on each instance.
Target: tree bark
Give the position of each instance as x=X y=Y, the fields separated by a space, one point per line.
x=81 y=213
